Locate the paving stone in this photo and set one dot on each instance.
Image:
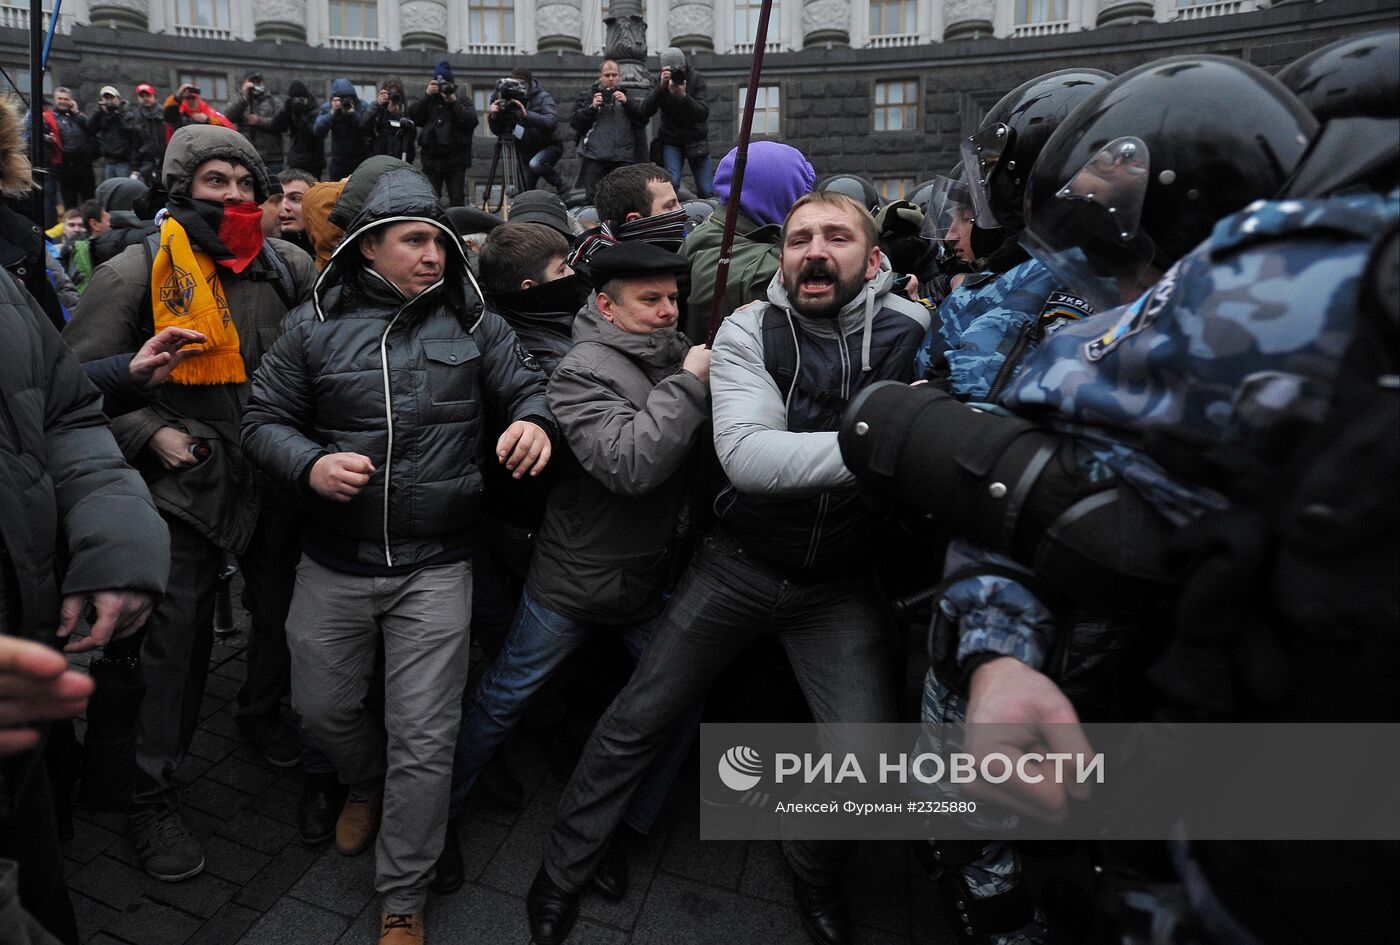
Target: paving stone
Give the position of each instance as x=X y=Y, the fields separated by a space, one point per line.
x=342 y=884
x=766 y=872
x=206 y=744
x=214 y=798
x=221 y=687
x=681 y=912
x=116 y=884
x=193 y=768
x=233 y=861
x=877 y=885
x=257 y=832
x=277 y=804
x=105 y=939
x=92 y=916
x=112 y=820
x=513 y=868
x=718 y=862
x=245 y=776
x=294 y=921
x=228 y=925
x=154 y=923
x=222 y=724
x=89 y=840
x=211 y=704
x=273 y=881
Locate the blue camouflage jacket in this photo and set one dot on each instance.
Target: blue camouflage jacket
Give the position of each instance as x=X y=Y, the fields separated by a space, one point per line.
x=1239 y=342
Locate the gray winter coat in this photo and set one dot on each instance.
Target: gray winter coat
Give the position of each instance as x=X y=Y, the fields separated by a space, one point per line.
x=63 y=483
x=267 y=140
x=631 y=416
x=360 y=369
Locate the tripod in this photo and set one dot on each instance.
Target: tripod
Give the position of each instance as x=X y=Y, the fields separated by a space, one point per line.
x=508 y=161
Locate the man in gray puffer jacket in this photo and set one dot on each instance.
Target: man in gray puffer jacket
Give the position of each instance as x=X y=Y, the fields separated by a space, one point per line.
x=371 y=404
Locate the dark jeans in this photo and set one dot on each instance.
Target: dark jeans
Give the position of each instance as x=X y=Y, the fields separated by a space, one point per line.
x=455 y=181
x=541 y=164
x=76 y=183
x=675 y=159
x=837 y=635
x=594 y=171
x=539 y=643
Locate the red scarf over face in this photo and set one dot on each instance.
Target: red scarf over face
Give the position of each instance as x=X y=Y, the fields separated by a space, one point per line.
x=229 y=232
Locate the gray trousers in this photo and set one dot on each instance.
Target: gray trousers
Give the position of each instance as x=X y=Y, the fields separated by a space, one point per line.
x=333 y=630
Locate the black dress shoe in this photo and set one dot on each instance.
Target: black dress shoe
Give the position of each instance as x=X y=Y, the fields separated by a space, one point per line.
x=610 y=878
x=448 y=874
x=823 y=911
x=552 y=910
x=321 y=797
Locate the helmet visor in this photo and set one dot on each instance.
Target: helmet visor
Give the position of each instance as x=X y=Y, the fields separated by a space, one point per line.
x=981 y=155
x=948 y=212
x=1088 y=232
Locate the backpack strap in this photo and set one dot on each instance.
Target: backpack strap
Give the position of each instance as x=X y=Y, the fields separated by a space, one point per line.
x=276 y=271
x=780 y=360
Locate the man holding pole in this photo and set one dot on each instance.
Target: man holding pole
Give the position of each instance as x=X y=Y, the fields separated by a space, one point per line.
x=791 y=549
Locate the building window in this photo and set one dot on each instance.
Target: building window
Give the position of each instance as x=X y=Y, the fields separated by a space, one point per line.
x=481 y=101
x=357 y=19
x=491 y=22
x=212 y=88
x=893 y=188
x=897 y=105
x=204 y=14
x=746 y=16
x=892 y=18
x=766 y=116
x=1030 y=12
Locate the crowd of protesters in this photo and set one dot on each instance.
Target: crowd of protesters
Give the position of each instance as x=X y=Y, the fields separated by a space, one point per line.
x=414 y=425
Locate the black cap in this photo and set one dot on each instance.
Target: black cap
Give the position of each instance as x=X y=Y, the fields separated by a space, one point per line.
x=633 y=260
x=255 y=76
x=467 y=220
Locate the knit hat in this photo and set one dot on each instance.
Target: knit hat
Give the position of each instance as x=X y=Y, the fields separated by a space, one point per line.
x=775 y=176
x=539 y=206
x=443 y=71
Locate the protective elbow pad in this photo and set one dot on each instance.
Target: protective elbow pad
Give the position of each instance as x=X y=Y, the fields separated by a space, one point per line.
x=970 y=469
x=1010 y=485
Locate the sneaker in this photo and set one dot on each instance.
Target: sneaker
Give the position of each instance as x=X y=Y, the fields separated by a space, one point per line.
x=167 y=850
x=396 y=928
x=275 y=740
x=359 y=822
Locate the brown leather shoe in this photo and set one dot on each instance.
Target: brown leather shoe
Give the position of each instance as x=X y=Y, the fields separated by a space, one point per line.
x=359 y=822
x=396 y=929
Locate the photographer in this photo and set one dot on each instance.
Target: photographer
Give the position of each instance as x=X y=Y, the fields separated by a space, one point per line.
x=114 y=127
x=606 y=122
x=305 y=151
x=340 y=118
x=253 y=114
x=387 y=128
x=529 y=116
x=447 y=121
x=685 y=114
x=186 y=106
x=148 y=133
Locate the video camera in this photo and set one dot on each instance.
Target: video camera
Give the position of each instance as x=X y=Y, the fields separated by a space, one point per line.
x=445 y=87
x=257 y=91
x=609 y=95
x=511 y=89
x=347 y=102
x=679 y=76
x=395 y=97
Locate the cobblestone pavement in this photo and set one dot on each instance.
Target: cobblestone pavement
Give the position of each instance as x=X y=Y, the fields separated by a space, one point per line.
x=261 y=886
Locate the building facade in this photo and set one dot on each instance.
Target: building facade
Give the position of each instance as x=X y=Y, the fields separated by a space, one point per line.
x=882 y=88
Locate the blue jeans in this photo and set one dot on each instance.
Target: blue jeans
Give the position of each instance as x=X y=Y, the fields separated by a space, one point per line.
x=118 y=169
x=674 y=158
x=541 y=164
x=836 y=632
x=539 y=642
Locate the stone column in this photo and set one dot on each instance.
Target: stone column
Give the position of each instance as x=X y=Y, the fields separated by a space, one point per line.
x=422 y=23
x=559 y=25
x=279 y=21
x=968 y=19
x=692 y=24
x=124 y=14
x=627 y=43
x=1123 y=12
x=824 y=23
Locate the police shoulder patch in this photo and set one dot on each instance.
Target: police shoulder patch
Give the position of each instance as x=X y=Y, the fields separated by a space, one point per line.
x=526 y=359
x=1061 y=306
x=1135 y=317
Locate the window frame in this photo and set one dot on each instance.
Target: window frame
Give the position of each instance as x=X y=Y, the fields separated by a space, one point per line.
x=909 y=7
x=364 y=6
x=504 y=11
x=761 y=109
x=880 y=112
x=208 y=83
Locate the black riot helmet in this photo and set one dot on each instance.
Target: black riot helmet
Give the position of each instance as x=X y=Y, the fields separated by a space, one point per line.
x=999 y=156
x=920 y=195
x=1354 y=77
x=1352 y=87
x=1147 y=164
x=857 y=188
